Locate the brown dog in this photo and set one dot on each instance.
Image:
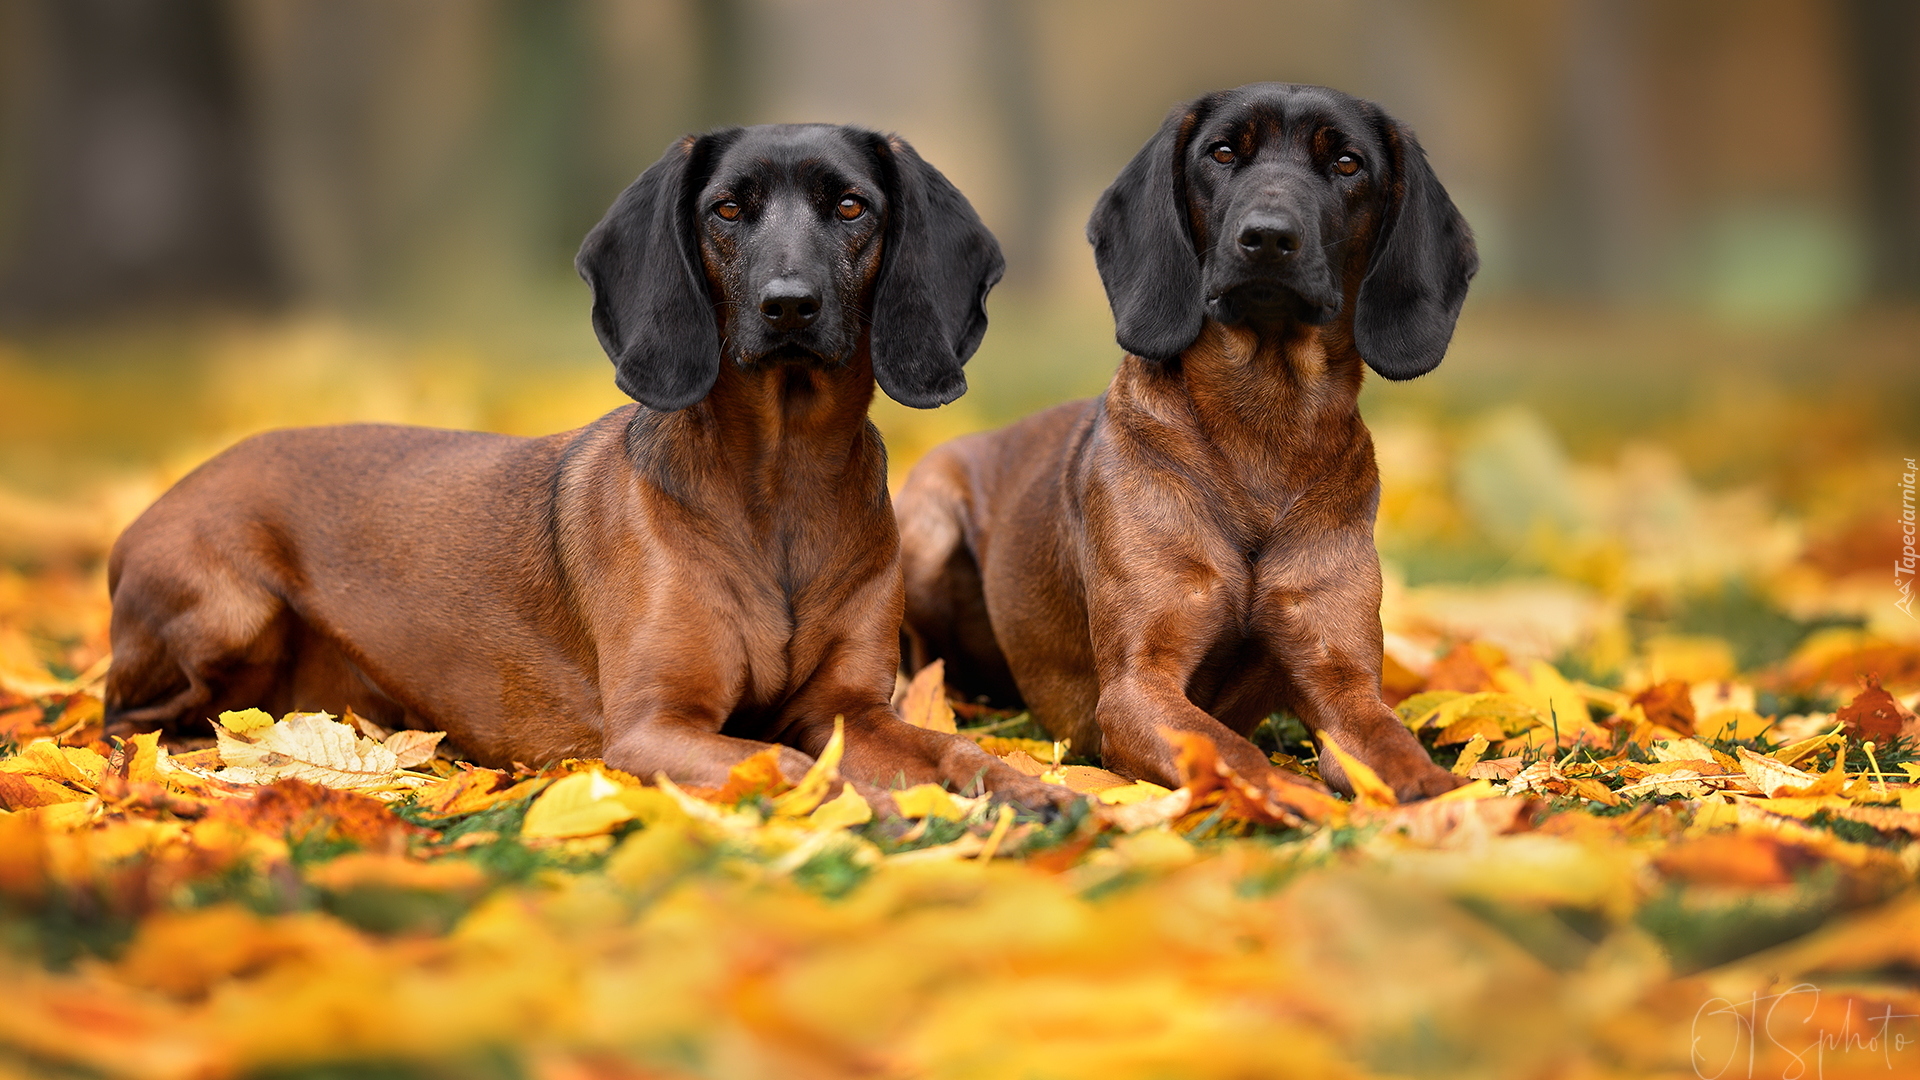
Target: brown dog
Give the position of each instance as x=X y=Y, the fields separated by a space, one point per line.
x=1194 y=549
x=672 y=587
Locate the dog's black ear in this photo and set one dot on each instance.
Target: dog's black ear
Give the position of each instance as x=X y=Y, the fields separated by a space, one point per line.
x=1417 y=277
x=937 y=263
x=1143 y=244
x=651 y=308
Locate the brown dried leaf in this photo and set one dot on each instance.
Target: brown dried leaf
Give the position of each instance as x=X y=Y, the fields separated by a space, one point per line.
x=1873 y=713
x=1668 y=704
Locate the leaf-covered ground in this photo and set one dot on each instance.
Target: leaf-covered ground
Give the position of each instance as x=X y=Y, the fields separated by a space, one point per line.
x=1669 y=881
x=1689 y=848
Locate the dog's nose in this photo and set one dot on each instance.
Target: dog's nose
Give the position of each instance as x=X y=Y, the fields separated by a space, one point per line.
x=1266 y=237
x=787 y=304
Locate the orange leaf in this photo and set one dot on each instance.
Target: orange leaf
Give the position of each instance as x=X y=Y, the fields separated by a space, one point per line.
x=1669 y=704
x=1214 y=784
x=926 y=701
x=756 y=775
x=1873 y=713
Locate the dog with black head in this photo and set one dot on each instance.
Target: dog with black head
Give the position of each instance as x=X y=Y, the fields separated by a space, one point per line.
x=1194 y=550
x=674 y=587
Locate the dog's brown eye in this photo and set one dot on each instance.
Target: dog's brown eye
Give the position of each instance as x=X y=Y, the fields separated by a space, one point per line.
x=850 y=208
x=1346 y=165
x=727 y=209
x=1222 y=153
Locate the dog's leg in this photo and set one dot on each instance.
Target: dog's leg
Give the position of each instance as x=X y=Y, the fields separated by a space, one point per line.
x=1153 y=631
x=1328 y=633
x=180 y=639
x=687 y=746
x=852 y=682
x=946 y=603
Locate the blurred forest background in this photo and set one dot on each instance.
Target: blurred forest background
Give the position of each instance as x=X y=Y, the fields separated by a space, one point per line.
x=1676 y=410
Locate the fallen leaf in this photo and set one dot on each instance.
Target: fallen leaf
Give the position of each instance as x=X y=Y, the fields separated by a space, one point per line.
x=304 y=746
x=1467 y=667
x=814 y=786
x=1873 y=713
x=582 y=804
x=1771 y=775
x=843 y=811
x=1726 y=859
x=1668 y=704
x=1368 y=789
x=926 y=702
x=928 y=800
x=297 y=809
x=757 y=775
x=413 y=748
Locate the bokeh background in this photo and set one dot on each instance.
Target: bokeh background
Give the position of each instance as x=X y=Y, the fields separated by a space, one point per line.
x=1669 y=438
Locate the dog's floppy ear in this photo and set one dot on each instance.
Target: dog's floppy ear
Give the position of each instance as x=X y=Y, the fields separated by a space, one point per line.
x=937 y=262
x=651 y=308
x=1417 y=277
x=1143 y=244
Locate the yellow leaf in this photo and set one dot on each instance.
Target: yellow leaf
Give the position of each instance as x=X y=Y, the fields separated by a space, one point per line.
x=1689 y=658
x=928 y=800
x=1469 y=728
x=1511 y=713
x=1830 y=782
x=1594 y=791
x=1470 y=755
x=842 y=811
x=1418 y=710
x=144 y=764
x=1794 y=752
x=814 y=786
x=1557 y=703
x=999 y=833
x=1733 y=724
x=1087 y=780
x=1478 y=789
x=1001 y=746
x=1714 y=814
x=24 y=791
x=74 y=765
x=582 y=804
x=926 y=704
x=1024 y=763
x=245 y=720
x=653 y=806
x=368 y=869
x=1368 y=788
x=1910 y=801
x=1138 y=791
x=1799 y=806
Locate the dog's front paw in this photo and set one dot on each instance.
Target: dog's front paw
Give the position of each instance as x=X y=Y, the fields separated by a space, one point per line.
x=1027 y=792
x=1426 y=783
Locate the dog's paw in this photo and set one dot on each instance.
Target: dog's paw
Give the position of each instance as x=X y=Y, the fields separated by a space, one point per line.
x=1283 y=779
x=1427 y=783
x=1028 y=793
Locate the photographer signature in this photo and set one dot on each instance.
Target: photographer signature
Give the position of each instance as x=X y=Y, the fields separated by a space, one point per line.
x=1733 y=1038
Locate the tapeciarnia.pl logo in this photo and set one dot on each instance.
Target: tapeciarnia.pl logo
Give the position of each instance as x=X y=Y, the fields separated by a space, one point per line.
x=1904 y=566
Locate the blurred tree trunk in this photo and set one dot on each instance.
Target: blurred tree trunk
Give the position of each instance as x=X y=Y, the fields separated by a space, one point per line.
x=1012 y=79
x=724 y=86
x=134 y=182
x=1886 y=67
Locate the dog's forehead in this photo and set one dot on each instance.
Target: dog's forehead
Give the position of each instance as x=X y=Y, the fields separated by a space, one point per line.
x=1267 y=112
x=796 y=153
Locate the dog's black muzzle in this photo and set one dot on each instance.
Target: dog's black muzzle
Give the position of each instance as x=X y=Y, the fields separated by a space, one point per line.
x=1269 y=266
